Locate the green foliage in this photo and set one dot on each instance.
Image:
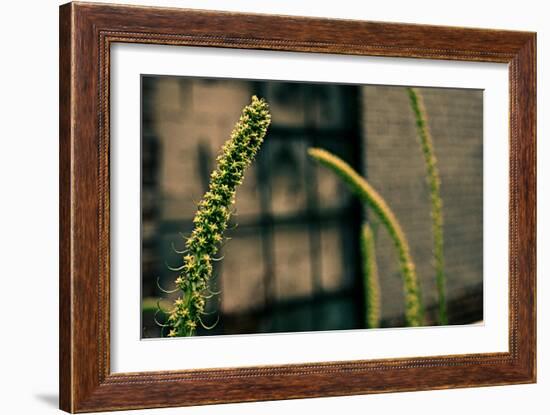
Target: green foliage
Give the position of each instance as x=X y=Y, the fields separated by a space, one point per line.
x=370 y=276
x=434 y=183
x=212 y=218
x=414 y=312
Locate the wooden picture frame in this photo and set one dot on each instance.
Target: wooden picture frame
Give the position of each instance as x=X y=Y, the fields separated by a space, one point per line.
x=86 y=33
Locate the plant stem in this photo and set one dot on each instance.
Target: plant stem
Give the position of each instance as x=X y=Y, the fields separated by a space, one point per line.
x=370 y=277
x=414 y=312
x=434 y=183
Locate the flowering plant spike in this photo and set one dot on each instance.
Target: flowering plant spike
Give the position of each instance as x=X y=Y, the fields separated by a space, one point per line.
x=434 y=183
x=212 y=218
x=370 y=277
x=414 y=312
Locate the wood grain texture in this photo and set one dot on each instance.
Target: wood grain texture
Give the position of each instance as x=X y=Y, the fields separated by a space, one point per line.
x=65 y=246
x=86 y=33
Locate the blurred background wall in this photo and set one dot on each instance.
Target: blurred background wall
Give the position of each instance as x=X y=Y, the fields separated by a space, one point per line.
x=395 y=166
x=292 y=263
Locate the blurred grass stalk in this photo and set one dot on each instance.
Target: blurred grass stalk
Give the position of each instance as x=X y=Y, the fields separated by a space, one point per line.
x=434 y=183
x=370 y=276
x=414 y=312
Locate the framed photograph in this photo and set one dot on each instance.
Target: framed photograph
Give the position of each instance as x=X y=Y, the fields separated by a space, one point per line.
x=258 y=207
